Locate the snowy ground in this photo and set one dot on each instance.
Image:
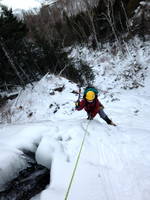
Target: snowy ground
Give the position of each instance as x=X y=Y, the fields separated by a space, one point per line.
x=114 y=162
x=25 y=5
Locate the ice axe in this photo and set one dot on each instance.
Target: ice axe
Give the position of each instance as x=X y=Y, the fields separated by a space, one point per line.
x=79 y=93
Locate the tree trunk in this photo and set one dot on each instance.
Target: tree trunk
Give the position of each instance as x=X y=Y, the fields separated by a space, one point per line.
x=11 y=61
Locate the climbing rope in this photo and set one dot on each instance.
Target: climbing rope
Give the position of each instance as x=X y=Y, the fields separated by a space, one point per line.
x=76 y=164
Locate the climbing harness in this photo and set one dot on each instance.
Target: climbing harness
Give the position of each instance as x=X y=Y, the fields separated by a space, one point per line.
x=76 y=164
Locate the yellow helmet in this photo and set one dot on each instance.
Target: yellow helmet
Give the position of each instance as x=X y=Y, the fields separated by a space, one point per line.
x=90 y=95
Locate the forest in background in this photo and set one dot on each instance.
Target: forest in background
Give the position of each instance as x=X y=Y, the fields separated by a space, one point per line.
x=35 y=43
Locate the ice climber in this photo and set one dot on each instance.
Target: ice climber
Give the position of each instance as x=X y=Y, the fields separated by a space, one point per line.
x=92 y=105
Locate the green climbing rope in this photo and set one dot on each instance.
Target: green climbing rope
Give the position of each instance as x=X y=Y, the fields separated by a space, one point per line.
x=76 y=164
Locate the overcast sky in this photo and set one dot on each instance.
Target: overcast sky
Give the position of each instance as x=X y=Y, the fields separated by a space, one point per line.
x=21 y=4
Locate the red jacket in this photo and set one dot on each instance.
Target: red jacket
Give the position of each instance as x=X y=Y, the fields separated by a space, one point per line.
x=92 y=108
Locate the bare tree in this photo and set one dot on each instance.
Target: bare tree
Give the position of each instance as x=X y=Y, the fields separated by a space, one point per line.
x=5 y=50
x=109 y=16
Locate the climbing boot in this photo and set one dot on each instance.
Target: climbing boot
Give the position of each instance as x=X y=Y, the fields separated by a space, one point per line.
x=112 y=123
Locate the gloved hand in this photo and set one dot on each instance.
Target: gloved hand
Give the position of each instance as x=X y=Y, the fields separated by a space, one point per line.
x=77 y=104
x=101 y=106
x=90 y=117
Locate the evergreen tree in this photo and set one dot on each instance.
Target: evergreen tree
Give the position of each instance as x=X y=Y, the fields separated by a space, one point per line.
x=12 y=32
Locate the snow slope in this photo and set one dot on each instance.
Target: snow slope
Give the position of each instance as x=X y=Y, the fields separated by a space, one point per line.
x=25 y=5
x=114 y=162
